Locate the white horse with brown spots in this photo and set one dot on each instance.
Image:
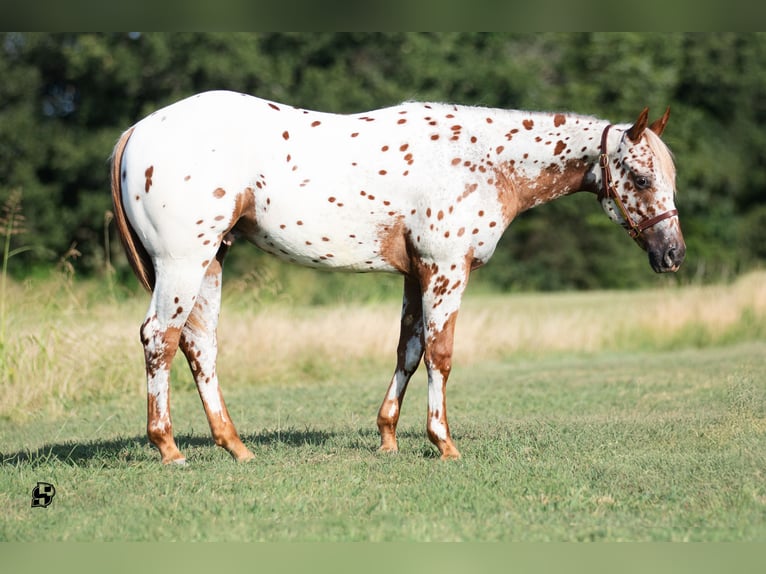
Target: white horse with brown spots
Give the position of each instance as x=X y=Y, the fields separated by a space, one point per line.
x=424 y=190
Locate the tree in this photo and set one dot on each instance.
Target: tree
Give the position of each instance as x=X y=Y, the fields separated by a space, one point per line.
x=66 y=98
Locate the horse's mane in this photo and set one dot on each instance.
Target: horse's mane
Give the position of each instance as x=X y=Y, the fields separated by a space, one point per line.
x=663 y=154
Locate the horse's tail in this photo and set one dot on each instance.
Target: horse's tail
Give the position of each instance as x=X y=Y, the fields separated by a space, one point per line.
x=137 y=255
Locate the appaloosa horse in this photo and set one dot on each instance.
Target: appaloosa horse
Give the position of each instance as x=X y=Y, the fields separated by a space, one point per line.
x=421 y=189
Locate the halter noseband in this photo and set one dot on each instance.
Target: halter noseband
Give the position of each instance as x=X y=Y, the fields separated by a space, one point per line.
x=609 y=192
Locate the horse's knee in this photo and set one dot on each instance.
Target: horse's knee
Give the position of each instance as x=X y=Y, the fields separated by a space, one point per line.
x=438 y=352
x=440 y=359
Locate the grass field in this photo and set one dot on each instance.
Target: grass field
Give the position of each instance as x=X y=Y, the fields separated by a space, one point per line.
x=581 y=416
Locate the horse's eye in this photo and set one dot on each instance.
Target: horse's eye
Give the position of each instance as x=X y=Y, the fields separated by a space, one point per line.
x=642 y=182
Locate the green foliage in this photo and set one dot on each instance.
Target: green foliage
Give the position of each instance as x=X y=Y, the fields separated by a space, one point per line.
x=65 y=98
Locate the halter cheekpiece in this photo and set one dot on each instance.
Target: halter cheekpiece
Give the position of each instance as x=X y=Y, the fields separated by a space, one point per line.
x=608 y=191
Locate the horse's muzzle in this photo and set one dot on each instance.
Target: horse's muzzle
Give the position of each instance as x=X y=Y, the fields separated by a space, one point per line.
x=667 y=258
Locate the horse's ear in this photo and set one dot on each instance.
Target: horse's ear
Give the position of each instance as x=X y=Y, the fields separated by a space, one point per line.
x=636 y=130
x=658 y=126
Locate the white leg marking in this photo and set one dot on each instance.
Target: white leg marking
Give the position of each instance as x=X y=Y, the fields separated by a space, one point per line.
x=436 y=404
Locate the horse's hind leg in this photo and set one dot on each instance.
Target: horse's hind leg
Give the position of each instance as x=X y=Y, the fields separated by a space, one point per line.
x=409 y=353
x=173 y=297
x=199 y=344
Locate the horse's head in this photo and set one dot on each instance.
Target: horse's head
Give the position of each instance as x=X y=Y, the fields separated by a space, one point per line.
x=638 y=184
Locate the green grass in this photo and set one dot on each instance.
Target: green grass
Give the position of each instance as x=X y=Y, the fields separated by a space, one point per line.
x=648 y=446
x=571 y=429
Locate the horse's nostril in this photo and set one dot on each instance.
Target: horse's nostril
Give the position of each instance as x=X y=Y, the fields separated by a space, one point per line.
x=670 y=257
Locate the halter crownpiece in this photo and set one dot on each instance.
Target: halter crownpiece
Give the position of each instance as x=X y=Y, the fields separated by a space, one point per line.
x=608 y=191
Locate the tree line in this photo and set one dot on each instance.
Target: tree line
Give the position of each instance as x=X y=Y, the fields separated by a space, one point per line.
x=65 y=98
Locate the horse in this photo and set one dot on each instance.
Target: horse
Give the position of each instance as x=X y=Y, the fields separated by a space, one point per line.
x=424 y=190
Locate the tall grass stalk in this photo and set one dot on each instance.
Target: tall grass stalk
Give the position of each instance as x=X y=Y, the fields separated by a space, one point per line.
x=109 y=271
x=12 y=222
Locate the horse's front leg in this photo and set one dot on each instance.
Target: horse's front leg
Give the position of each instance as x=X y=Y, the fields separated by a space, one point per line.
x=443 y=287
x=408 y=356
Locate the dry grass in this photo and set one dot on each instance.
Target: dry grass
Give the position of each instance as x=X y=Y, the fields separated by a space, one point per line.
x=63 y=347
x=495 y=326
x=617 y=320
x=720 y=308
x=68 y=343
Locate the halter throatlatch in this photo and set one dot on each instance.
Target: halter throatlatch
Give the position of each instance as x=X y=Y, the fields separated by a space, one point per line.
x=608 y=191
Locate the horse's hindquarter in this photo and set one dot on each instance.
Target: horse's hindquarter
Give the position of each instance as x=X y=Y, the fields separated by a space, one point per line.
x=313 y=188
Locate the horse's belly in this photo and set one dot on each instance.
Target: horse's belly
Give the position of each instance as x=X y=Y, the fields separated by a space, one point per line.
x=318 y=242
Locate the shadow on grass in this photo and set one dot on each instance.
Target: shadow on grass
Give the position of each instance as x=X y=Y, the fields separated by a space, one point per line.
x=138 y=448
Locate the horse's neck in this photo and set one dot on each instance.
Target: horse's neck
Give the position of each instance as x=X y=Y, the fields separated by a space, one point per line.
x=537 y=157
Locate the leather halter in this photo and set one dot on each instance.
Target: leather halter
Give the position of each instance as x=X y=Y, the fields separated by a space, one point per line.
x=608 y=191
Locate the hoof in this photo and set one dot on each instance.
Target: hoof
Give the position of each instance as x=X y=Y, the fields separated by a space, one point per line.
x=388 y=442
x=449 y=452
x=244 y=457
